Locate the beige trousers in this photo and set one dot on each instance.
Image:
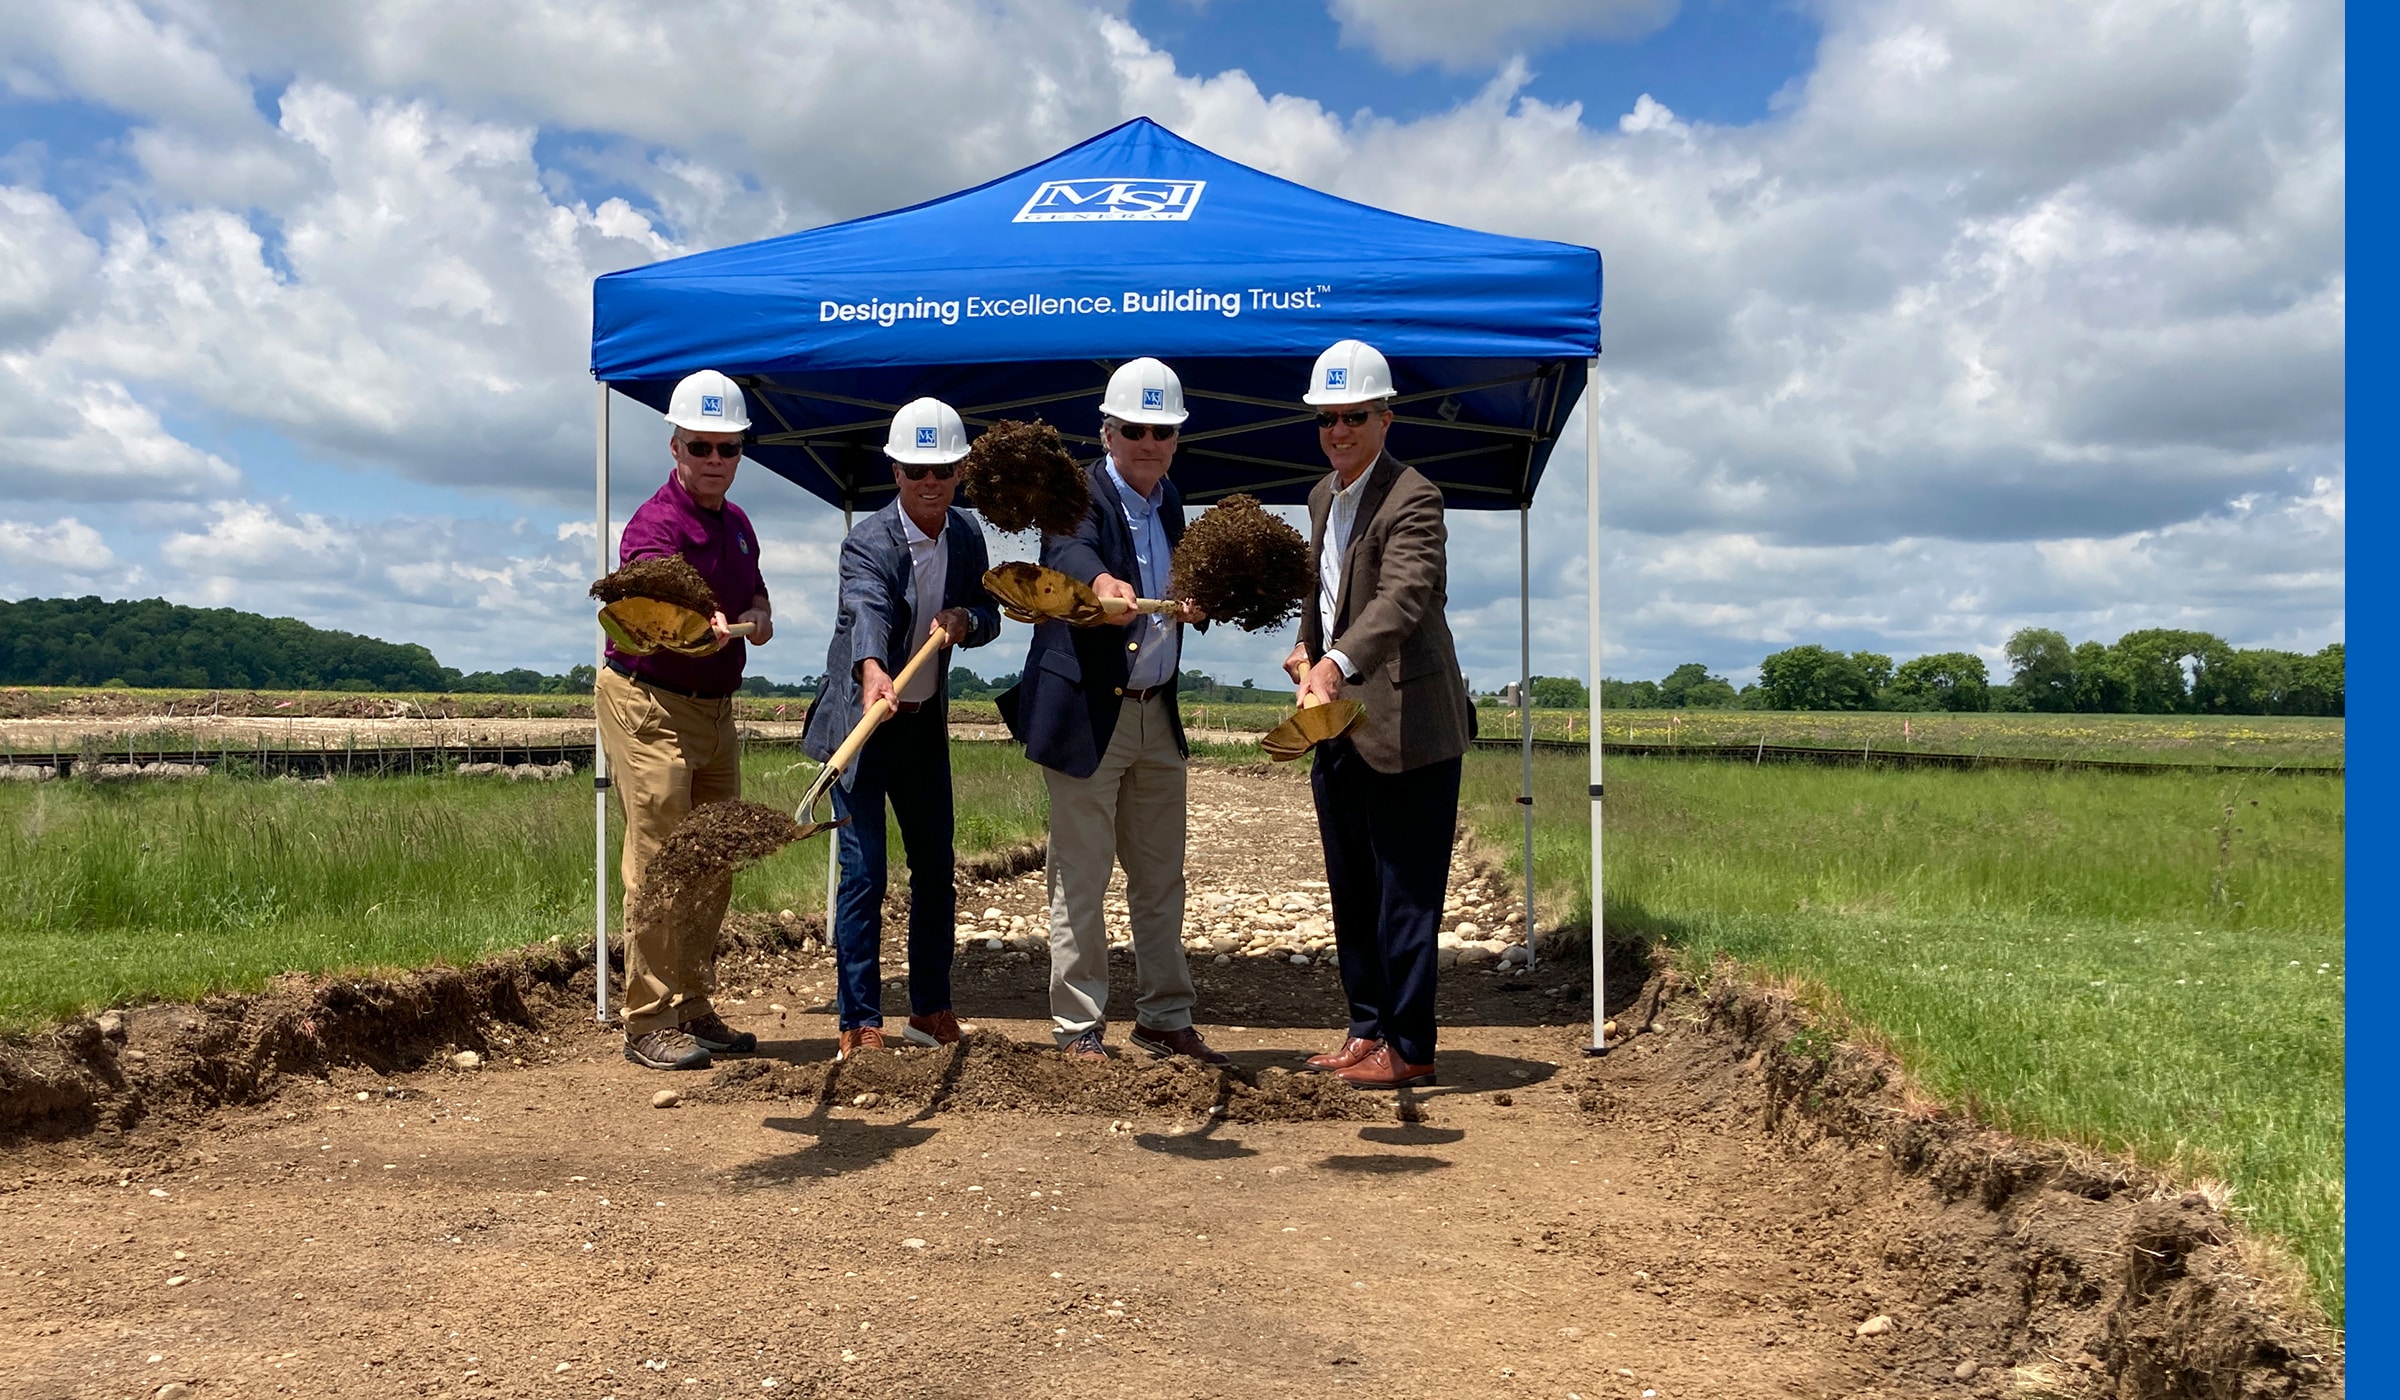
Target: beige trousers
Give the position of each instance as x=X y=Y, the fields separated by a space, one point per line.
x=1130 y=811
x=666 y=754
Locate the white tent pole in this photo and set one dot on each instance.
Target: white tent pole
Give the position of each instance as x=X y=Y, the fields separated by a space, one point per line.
x=1591 y=558
x=599 y=750
x=1525 y=703
x=833 y=848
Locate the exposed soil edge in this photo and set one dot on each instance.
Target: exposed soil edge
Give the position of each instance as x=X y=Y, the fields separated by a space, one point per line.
x=176 y=1061
x=2179 y=1315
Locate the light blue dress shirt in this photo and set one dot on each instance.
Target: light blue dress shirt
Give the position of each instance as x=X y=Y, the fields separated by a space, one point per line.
x=1153 y=634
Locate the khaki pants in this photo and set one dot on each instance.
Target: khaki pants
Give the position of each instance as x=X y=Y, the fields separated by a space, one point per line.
x=666 y=754
x=1130 y=811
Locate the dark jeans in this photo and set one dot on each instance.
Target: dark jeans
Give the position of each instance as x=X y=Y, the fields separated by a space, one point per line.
x=1388 y=839
x=907 y=761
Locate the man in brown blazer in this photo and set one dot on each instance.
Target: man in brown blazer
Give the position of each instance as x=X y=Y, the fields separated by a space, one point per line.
x=1386 y=793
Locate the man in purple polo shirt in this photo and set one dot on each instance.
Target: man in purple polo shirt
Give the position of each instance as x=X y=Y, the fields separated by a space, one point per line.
x=667 y=723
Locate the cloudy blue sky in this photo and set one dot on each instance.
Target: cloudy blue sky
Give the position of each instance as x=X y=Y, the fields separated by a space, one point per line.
x=1925 y=321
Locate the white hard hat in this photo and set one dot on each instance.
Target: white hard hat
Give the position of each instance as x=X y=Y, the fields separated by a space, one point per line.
x=927 y=432
x=1350 y=371
x=1144 y=391
x=708 y=402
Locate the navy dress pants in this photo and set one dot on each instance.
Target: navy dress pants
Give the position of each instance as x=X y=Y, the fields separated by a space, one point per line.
x=1388 y=839
x=907 y=761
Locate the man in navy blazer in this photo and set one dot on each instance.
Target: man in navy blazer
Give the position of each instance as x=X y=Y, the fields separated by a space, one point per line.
x=1096 y=708
x=912 y=568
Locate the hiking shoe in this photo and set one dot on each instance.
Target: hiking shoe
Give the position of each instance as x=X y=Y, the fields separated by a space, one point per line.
x=1087 y=1047
x=856 y=1039
x=938 y=1029
x=717 y=1037
x=1162 y=1045
x=666 y=1048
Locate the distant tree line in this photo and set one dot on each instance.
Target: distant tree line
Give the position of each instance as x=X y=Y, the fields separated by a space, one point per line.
x=2155 y=671
x=155 y=644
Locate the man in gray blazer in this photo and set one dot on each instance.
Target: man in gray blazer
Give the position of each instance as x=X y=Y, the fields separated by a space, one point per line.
x=1386 y=793
x=910 y=570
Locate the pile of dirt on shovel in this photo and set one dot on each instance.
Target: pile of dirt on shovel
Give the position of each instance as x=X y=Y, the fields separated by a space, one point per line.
x=693 y=868
x=989 y=1073
x=1018 y=476
x=1244 y=566
x=668 y=579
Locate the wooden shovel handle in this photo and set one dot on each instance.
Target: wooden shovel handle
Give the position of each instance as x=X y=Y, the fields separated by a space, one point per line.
x=882 y=710
x=740 y=629
x=1114 y=606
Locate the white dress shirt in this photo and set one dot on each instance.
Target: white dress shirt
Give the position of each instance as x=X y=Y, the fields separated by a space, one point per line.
x=929 y=568
x=1339 y=518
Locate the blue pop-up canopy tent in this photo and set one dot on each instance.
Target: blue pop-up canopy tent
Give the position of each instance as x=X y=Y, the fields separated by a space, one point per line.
x=1017 y=298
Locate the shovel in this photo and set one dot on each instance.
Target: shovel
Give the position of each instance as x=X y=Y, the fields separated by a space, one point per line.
x=1031 y=593
x=641 y=626
x=1317 y=720
x=876 y=714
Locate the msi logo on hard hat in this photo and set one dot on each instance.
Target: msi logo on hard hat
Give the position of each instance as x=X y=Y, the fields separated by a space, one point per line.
x=929 y=437
x=1337 y=378
x=1154 y=398
x=712 y=405
x=1098 y=200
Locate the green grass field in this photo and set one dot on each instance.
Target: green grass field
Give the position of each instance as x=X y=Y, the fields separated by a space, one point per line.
x=2261 y=740
x=2113 y=960
x=115 y=893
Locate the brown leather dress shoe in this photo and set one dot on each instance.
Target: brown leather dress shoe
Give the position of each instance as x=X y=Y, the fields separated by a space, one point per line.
x=940 y=1028
x=1353 y=1050
x=861 y=1038
x=1383 y=1069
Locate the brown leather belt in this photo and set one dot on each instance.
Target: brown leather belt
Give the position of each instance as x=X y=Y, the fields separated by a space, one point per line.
x=1145 y=692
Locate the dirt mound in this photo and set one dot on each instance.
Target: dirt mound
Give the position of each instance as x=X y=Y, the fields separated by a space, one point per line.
x=668 y=579
x=1243 y=566
x=990 y=1073
x=1018 y=476
x=2105 y=1277
x=176 y=1062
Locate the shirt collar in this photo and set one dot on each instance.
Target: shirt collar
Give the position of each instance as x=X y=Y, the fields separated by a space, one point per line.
x=1348 y=495
x=913 y=535
x=1147 y=503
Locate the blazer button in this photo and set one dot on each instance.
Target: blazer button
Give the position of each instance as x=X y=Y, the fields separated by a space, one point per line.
x=1120 y=690
x=1133 y=646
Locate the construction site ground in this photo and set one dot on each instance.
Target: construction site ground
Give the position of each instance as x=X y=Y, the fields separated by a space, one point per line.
x=302 y=1193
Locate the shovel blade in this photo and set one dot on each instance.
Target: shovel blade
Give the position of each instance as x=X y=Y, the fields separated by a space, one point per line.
x=808 y=829
x=1310 y=727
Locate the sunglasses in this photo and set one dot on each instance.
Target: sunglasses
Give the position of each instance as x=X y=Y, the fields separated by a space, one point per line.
x=1353 y=417
x=1135 y=432
x=918 y=471
x=703 y=449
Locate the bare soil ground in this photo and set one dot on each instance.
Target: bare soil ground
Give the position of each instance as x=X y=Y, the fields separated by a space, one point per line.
x=297 y=1193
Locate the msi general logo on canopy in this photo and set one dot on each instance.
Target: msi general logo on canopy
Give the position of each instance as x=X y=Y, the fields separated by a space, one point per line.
x=1108 y=198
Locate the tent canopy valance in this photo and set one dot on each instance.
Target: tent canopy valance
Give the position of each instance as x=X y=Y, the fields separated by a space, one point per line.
x=1018 y=297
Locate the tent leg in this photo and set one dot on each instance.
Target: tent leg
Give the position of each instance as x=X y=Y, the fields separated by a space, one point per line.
x=1591 y=556
x=1525 y=707
x=833 y=846
x=600 y=750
